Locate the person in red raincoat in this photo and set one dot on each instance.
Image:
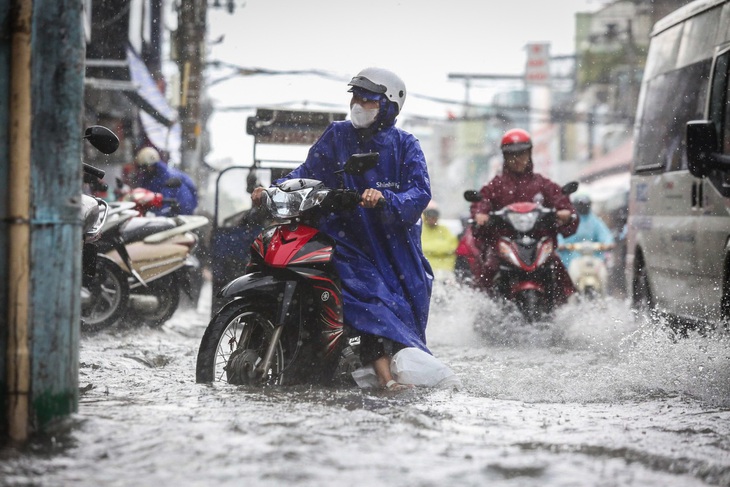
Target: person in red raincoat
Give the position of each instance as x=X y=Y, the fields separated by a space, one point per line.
x=519 y=183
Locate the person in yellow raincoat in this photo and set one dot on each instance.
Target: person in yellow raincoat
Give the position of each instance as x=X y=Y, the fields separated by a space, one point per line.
x=439 y=244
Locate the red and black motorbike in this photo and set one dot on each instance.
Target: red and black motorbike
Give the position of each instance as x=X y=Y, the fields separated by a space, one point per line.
x=284 y=317
x=524 y=235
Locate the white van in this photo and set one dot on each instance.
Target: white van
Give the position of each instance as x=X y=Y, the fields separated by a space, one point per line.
x=678 y=257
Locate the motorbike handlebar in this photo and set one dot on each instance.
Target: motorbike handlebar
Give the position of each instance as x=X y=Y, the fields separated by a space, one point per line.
x=94 y=171
x=341 y=199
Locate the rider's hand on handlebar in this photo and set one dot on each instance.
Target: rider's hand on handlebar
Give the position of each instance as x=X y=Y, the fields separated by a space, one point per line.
x=564 y=216
x=370 y=198
x=481 y=219
x=256 y=195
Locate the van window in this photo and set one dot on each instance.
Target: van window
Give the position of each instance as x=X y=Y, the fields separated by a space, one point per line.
x=723 y=34
x=718 y=97
x=671 y=100
x=662 y=55
x=720 y=116
x=698 y=37
x=726 y=105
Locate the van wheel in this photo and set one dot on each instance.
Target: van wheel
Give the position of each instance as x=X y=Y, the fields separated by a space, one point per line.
x=725 y=301
x=643 y=300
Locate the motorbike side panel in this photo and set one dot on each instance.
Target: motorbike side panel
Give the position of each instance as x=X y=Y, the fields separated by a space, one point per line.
x=153 y=261
x=292 y=245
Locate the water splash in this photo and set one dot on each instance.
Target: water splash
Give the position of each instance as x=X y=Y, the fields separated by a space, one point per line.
x=595 y=351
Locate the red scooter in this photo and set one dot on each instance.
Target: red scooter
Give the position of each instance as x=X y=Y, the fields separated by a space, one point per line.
x=284 y=317
x=524 y=236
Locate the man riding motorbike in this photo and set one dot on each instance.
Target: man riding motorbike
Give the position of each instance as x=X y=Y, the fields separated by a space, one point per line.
x=151 y=173
x=590 y=229
x=519 y=183
x=386 y=280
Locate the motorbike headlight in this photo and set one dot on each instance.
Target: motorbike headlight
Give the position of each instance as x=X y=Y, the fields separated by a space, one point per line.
x=544 y=252
x=286 y=204
x=314 y=198
x=523 y=222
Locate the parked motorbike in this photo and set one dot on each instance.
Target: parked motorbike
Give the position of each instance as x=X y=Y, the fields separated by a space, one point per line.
x=588 y=270
x=104 y=288
x=282 y=322
x=525 y=245
x=155 y=254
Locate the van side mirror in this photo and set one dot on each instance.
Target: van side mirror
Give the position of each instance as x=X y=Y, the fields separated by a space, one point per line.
x=472 y=196
x=701 y=144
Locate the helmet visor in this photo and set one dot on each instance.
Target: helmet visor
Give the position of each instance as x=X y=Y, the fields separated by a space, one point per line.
x=363 y=82
x=365 y=94
x=516 y=147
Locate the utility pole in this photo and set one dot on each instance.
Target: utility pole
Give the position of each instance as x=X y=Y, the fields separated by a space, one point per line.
x=41 y=184
x=192 y=20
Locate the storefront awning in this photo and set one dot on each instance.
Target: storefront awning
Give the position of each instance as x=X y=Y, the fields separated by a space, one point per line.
x=132 y=77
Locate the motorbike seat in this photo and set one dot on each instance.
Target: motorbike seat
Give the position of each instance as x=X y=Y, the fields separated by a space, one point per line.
x=138 y=228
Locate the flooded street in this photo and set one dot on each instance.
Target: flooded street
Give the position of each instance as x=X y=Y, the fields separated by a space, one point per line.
x=598 y=398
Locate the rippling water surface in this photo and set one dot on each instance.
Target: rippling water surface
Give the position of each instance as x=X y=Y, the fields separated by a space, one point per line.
x=596 y=397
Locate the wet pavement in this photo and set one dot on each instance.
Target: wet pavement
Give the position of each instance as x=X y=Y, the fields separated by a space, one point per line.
x=597 y=397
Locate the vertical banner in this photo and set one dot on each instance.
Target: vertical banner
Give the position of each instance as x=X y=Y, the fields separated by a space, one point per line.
x=537 y=81
x=537 y=69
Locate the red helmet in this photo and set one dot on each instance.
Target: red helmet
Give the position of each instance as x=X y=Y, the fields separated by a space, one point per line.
x=516 y=140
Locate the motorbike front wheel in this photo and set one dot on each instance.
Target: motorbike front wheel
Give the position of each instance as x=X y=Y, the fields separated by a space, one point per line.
x=104 y=299
x=529 y=303
x=235 y=344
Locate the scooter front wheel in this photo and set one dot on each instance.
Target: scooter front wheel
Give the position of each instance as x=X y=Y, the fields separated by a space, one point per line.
x=235 y=344
x=164 y=299
x=105 y=298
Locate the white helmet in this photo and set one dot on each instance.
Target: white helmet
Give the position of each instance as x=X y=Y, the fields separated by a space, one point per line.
x=379 y=80
x=147 y=156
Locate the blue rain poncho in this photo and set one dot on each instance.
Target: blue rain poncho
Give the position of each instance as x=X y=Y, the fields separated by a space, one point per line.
x=386 y=280
x=590 y=229
x=186 y=195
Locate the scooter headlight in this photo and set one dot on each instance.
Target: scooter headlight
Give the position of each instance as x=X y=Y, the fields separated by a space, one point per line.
x=522 y=222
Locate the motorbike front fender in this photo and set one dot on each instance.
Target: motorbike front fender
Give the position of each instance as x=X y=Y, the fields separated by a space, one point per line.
x=525 y=285
x=254 y=283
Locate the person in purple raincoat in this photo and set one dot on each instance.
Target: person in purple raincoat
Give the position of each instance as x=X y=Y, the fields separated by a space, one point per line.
x=386 y=279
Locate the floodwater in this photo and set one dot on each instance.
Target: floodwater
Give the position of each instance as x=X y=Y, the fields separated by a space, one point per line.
x=597 y=398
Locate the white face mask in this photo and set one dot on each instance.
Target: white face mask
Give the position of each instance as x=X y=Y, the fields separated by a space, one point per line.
x=362 y=118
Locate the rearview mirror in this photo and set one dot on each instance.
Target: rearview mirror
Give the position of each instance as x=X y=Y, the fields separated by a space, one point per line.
x=472 y=196
x=569 y=188
x=361 y=163
x=102 y=138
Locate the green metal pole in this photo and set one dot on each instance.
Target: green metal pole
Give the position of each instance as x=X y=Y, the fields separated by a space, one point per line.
x=57 y=92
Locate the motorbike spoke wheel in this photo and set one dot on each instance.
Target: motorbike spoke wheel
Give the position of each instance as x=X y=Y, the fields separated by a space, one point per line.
x=107 y=296
x=234 y=345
